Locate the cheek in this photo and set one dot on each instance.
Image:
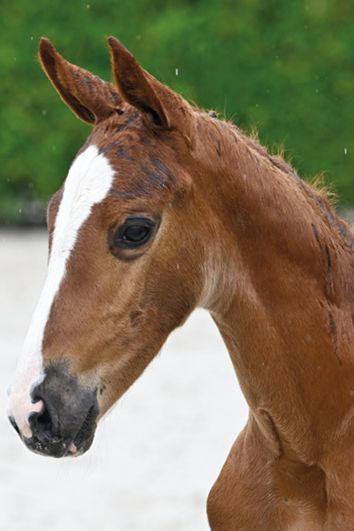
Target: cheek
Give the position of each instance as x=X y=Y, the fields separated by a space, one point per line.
x=171 y=295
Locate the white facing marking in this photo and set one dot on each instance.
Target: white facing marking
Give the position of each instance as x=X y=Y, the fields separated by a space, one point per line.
x=88 y=182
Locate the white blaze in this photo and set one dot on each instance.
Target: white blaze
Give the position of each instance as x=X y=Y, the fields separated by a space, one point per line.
x=88 y=182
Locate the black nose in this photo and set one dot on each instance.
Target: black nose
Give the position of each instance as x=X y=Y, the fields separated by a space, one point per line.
x=68 y=416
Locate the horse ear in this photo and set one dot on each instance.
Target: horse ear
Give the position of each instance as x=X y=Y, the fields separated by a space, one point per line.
x=139 y=88
x=90 y=98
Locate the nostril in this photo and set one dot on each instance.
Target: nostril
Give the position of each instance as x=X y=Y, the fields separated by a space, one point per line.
x=42 y=425
x=44 y=421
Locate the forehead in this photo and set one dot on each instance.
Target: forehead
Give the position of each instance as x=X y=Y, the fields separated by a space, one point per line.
x=144 y=163
x=123 y=166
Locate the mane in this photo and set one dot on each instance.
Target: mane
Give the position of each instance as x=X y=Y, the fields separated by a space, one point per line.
x=319 y=196
x=316 y=185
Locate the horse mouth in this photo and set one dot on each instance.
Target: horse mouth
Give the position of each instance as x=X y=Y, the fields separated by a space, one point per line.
x=57 y=446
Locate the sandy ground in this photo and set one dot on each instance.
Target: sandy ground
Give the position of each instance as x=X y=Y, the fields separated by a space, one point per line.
x=155 y=456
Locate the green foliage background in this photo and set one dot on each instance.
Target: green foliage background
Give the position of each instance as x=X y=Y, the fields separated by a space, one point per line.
x=285 y=67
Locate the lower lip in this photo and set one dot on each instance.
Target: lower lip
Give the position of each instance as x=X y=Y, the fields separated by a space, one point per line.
x=73 y=451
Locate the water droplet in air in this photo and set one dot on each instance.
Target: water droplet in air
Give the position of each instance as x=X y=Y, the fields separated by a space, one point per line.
x=176 y=71
x=345 y=151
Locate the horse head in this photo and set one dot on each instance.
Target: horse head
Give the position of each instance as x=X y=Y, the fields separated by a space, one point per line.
x=125 y=252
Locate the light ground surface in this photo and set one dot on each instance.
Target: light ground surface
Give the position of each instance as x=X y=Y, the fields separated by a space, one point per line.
x=157 y=454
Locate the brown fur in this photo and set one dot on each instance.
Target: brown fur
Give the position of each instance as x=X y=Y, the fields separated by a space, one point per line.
x=243 y=236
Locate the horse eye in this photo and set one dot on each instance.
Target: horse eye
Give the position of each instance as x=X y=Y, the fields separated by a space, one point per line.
x=134 y=232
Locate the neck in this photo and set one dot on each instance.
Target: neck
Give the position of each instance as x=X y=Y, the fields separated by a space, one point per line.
x=285 y=312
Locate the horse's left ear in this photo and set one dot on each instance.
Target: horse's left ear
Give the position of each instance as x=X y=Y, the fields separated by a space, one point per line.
x=89 y=97
x=159 y=104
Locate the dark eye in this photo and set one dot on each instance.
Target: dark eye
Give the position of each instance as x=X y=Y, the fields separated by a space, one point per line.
x=134 y=233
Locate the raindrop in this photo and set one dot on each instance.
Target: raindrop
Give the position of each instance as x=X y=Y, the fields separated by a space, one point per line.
x=31 y=37
x=44 y=112
x=88 y=6
x=345 y=151
x=176 y=71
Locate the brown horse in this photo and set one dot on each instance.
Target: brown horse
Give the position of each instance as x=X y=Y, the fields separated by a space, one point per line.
x=167 y=208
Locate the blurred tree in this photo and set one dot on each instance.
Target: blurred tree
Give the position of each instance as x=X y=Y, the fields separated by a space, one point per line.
x=284 y=67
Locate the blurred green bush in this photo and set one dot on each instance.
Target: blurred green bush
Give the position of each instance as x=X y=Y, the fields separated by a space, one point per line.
x=284 y=67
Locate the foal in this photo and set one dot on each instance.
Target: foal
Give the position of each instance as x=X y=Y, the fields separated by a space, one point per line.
x=164 y=209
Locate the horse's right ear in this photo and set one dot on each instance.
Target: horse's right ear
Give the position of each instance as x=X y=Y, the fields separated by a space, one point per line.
x=90 y=98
